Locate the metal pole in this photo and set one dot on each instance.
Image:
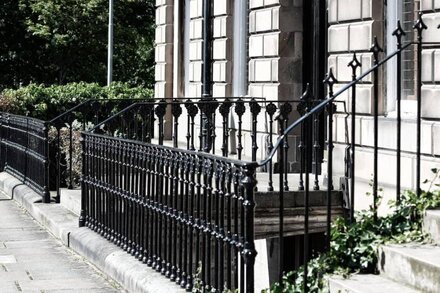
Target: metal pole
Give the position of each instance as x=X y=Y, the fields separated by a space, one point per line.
x=110 y=44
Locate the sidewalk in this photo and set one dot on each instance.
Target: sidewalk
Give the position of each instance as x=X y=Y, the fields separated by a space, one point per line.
x=61 y=220
x=32 y=260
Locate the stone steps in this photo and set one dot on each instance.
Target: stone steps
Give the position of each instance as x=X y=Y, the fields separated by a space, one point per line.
x=414 y=265
x=367 y=284
x=403 y=268
x=431 y=224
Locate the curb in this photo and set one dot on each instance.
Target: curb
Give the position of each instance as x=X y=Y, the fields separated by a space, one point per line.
x=131 y=274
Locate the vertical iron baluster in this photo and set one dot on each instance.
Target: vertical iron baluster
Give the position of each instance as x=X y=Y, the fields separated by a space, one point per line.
x=160 y=113
x=399 y=33
x=174 y=172
x=270 y=110
x=192 y=112
x=70 y=155
x=58 y=175
x=376 y=49
x=285 y=110
x=255 y=110
x=308 y=158
x=228 y=238
x=184 y=235
x=176 y=111
x=166 y=266
x=302 y=107
x=84 y=177
x=224 y=111
x=419 y=26
x=354 y=64
x=282 y=170
x=191 y=222
x=330 y=80
x=240 y=108
x=249 y=253
x=316 y=148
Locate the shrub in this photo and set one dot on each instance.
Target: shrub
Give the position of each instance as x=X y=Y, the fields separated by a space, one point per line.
x=354 y=246
x=46 y=102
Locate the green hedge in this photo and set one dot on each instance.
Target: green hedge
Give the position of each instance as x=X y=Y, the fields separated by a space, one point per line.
x=46 y=102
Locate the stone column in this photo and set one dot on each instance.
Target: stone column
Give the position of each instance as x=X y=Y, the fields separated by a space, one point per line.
x=164 y=57
x=431 y=61
x=275 y=49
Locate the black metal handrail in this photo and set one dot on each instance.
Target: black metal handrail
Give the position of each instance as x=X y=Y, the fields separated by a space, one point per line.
x=176 y=209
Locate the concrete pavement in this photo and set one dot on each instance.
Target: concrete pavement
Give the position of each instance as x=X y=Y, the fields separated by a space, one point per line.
x=32 y=260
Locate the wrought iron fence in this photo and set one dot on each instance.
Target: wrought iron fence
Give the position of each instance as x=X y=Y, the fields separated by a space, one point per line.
x=24 y=151
x=180 y=209
x=176 y=210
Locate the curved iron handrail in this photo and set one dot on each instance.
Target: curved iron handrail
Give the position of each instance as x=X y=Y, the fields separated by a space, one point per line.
x=326 y=102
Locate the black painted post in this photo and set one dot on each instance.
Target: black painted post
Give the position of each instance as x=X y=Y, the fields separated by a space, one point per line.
x=376 y=49
x=399 y=33
x=249 y=253
x=330 y=80
x=419 y=26
x=354 y=64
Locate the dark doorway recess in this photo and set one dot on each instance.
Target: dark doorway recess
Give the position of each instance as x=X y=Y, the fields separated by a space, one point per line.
x=315 y=57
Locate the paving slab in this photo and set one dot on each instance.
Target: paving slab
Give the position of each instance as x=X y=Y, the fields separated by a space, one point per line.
x=133 y=275
x=32 y=260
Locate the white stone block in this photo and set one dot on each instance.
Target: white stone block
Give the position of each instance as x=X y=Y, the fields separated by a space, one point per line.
x=338 y=38
x=430 y=101
x=271 y=43
x=427 y=64
x=349 y=10
x=431 y=20
x=360 y=36
x=255 y=45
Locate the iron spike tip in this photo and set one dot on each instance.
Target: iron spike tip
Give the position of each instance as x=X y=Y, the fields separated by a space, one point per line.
x=307 y=93
x=330 y=78
x=354 y=63
x=399 y=32
x=419 y=24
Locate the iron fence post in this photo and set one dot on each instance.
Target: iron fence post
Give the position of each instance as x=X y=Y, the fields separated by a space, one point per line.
x=354 y=64
x=375 y=49
x=46 y=190
x=249 y=253
x=419 y=26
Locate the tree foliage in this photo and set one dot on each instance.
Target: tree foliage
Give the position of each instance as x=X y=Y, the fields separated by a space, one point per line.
x=61 y=41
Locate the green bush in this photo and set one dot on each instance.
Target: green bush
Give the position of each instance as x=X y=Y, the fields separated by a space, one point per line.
x=46 y=102
x=354 y=246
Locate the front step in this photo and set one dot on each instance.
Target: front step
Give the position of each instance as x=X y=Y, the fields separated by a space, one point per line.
x=414 y=265
x=431 y=224
x=366 y=284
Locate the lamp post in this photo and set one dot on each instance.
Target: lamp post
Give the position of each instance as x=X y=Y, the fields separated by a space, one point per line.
x=110 y=44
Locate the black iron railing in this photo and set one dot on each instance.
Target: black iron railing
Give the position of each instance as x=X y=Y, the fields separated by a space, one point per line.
x=189 y=208
x=24 y=151
x=40 y=153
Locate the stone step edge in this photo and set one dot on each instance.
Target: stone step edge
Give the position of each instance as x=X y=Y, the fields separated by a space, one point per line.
x=431 y=224
x=123 y=268
x=391 y=256
x=340 y=284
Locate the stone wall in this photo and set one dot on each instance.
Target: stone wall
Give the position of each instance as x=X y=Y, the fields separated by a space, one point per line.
x=353 y=24
x=431 y=60
x=275 y=48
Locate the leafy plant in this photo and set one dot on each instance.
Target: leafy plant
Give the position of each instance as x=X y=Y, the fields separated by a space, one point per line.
x=46 y=102
x=354 y=246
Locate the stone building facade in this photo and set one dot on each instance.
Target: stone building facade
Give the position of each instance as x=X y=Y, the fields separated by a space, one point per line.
x=269 y=49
